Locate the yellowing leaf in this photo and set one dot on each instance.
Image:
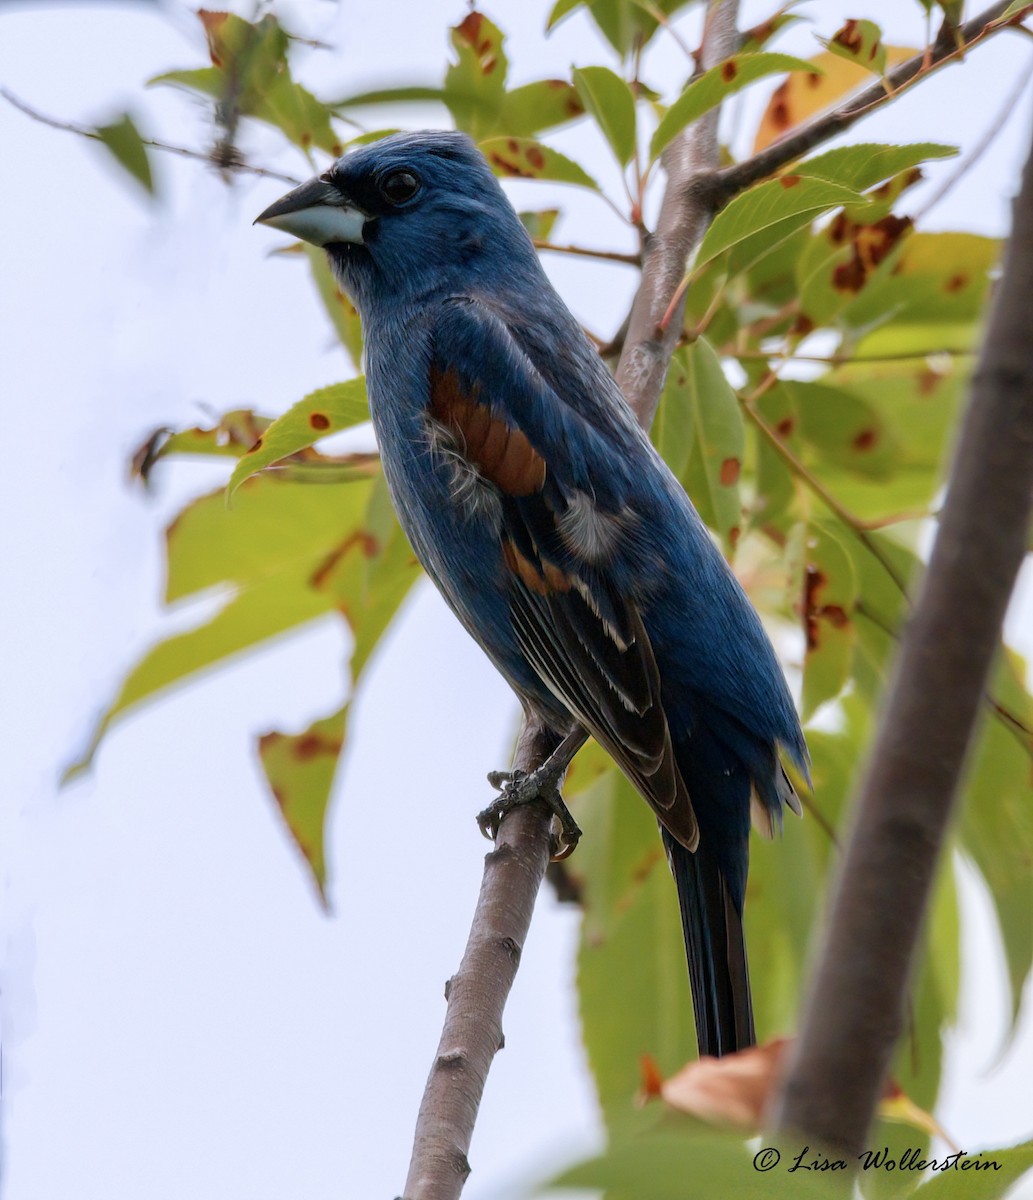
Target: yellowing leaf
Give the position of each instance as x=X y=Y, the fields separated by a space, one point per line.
x=300 y=769
x=804 y=94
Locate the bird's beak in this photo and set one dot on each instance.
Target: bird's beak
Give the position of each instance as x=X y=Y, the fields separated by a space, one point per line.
x=316 y=212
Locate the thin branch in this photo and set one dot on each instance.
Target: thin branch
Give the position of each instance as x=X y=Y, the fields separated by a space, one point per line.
x=183 y=151
x=724 y=184
x=837 y=360
x=995 y=127
x=633 y=260
x=685 y=213
x=855 y=1011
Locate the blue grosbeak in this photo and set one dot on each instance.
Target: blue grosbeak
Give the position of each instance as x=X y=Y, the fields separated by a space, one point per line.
x=553 y=528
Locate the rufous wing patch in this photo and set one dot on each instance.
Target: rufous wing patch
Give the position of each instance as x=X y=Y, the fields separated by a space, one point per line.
x=502 y=454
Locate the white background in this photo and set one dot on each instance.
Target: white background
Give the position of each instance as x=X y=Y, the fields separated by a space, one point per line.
x=179 y=1016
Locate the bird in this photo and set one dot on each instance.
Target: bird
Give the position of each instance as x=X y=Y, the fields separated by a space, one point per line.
x=555 y=531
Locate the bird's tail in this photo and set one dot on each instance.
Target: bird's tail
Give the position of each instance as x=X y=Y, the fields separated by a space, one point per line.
x=715 y=949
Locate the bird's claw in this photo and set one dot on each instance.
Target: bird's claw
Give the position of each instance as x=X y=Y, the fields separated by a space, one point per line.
x=519 y=788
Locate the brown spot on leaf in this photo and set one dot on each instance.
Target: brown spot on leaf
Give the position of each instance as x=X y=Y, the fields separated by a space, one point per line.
x=733 y=536
x=849 y=277
x=814 y=612
x=510 y=168
x=729 y=70
x=256 y=447
x=489 y=64
x=789 y=181
x=370 y=548
x=729 y=472
x=802 y=326
x=928 y=381
x=814 y=79
x=779 y=108
x=310 y=745
x=535 y=157
x=849 y=37
x=319 y=420
x=841 y=229
x=956 y=282
x=865 y=440
x=785 y=427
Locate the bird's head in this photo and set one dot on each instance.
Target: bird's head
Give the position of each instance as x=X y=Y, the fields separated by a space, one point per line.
x=408 y=216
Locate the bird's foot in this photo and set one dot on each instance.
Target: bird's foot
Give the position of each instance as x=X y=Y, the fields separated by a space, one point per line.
x=519 y=788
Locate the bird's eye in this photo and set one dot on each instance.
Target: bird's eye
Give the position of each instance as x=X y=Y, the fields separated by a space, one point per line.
x=399 y=186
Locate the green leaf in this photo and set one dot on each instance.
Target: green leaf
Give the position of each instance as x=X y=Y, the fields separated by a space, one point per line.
x=538 y=106
x=632 y=982
x=996 y=819
x=608 y=99
x=844 y=429
x=829 y=596
x=1013 y=9
x=475 y=83
x=979 y=1182
x=714 y=86
x=124 y=143
x=207 y=81
x=342 y=313
x=622 y=22
x=685 y=1159
x=525 y=158
x=787 y=202
x=859 y=42
x=863 y=165
x=299 y=115
x=700 y=434
x=325 y=411
x=401 y=94
x=300 y=769
x=539 y=224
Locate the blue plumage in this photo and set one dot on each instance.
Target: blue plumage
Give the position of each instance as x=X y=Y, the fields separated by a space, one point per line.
x=553 y=528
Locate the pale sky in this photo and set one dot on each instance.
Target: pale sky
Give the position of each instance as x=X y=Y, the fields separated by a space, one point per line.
x=178 y=1015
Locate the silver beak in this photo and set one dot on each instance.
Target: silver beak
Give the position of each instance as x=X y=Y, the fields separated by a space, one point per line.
x=315 y=212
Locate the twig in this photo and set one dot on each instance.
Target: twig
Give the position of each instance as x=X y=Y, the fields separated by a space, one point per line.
x=854 y=1014
x=722 y=185
x=837 y=360
x=633 y=260
x=685 y=213
x=999 y=121
x=183 y=151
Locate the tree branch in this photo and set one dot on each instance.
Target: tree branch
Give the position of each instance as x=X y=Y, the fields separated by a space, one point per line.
x=854 y=1014
x=477 y=993
x=211 y=158
x=723 y=185
x=685 y=213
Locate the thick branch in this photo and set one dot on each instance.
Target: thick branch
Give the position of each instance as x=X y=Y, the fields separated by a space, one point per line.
x=855 y=1010
x=684 y=216
x=725 y=184
x=477 y=993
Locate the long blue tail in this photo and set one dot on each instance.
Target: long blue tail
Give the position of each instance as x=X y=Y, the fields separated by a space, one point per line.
x=716 y=951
